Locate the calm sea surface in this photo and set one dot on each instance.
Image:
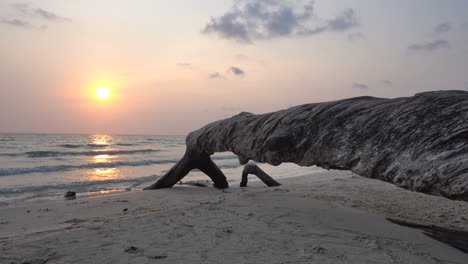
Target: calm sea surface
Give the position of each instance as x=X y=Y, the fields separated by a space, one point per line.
x=44 y=166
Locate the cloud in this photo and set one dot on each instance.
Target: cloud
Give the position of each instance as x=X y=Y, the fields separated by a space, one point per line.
x=386 y=82
x=355 y=36
x=216 y=75
x=360 y=86
x=250 y=20
x=28 y=12
x=236 y=71
x=184 y=65
x=442 y=28
x=47 y=15
x=22 y=24
x=16 y=22
x=344 y=21
x=430 y=46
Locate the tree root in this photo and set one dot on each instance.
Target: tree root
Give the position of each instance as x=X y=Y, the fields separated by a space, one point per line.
x=255 y=170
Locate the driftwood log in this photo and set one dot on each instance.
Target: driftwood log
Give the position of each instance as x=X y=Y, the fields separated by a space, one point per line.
x=419 y=143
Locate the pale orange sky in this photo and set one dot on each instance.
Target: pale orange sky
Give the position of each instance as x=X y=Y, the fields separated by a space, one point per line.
x=173 y=66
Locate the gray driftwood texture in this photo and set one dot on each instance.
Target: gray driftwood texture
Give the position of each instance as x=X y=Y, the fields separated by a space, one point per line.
x=419 y=143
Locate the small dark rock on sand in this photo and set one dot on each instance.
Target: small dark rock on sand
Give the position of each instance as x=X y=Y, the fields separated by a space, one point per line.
x=319 y=250
x=70 y=195
x=131 y=249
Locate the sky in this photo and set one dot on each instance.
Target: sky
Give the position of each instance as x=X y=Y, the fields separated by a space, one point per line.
x=174 y=66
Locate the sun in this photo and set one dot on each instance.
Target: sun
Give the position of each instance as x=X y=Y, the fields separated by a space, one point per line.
x=103 y=92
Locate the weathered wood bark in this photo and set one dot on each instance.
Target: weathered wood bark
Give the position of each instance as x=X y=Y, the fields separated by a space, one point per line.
x=255 y=170
x=189 y=162
x=418 y=143
x=456 y=238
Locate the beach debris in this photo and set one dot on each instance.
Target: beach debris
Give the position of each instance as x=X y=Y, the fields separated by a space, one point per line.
x=157 y=256
x=319 y=250
x=154 y=254
x=456 y=238
x=255 y=170
x=132 y=250
x=228 y=230
x=70 y=195
x=417 y=143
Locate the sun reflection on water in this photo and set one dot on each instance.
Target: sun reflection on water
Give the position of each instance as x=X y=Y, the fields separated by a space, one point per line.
x=102 y=158
x=107 y=191
x=101 y=174
x=101 y=140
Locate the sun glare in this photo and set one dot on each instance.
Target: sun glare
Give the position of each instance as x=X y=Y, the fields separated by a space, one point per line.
x=102 y=92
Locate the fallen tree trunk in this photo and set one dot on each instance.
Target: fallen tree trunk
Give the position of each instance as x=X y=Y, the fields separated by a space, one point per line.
x=419 y=143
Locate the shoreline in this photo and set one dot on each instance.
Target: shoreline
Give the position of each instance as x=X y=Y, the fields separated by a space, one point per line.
x=327 y=217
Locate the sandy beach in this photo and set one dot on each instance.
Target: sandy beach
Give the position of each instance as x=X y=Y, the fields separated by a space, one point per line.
x=332 y=217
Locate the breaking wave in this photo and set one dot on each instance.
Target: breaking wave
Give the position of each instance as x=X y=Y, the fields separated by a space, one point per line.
x=16 y=171
x=47 y=153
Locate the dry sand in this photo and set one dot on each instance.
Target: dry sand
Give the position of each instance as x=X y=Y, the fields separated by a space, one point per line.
x=332 y=217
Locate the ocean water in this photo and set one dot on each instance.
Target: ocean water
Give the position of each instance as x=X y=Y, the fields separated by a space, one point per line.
x=45 y=166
